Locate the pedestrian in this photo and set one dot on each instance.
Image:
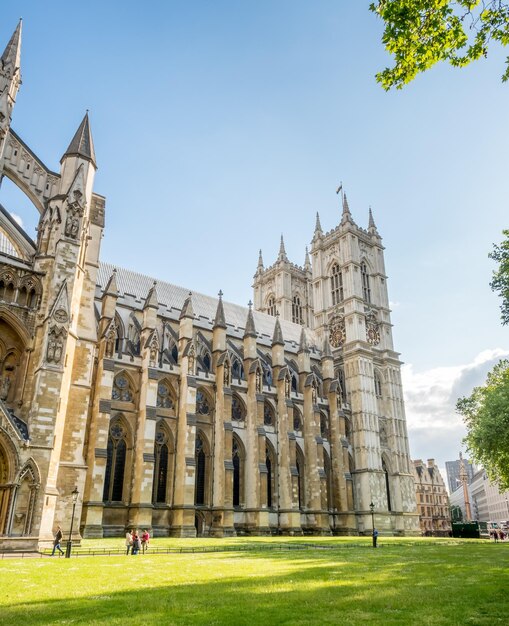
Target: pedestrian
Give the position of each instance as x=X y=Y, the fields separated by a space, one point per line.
x=128 y=541
x=136 y=543
x=375 y=537
x=57 y=541
x=145 y=538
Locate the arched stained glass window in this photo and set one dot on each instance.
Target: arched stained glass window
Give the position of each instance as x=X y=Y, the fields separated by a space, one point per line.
x=164 y=399
x=268 y=414
x=297 y=310
x=161 y=453
x=336 y=282
x=115 y=463
x=200 y=459
x=202 y=403
x=366 y=289
x=121 y=390
x=237 y=462
x=238 y=409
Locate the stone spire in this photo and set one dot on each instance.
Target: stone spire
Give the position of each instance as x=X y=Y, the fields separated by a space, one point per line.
x=10 y=61
x=282 y=252
x=152 y=300
x=219 y=320
x=111 y=288
x=82 y=144
x=307 y=262
x=250 y=325
x=277 y=337
x=187 y=309
x=303 y=345
x=326 y=352
x=347 y=216
x=318 y=226
x=371 y=224
x=260 y=267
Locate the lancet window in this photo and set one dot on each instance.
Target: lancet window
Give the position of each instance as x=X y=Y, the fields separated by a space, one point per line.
x=297 y=311
x=336 y=281
x=164 y=399
x=366 y=289
x=115 y=463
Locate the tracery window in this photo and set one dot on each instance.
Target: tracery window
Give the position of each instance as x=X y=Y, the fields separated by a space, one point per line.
x=200 y=459
x=336 y=281
x=271 y=306
x=202 y=403
x=121 y=389
x=164 y=399
x=342 y=383
x=299 y=464
x=268 y=414
x=237 y=472
x=366 y=289
x=324 y=426
x=237 y=370
x=238 y=410
x=297 y=311
x=378 y=385
x=161 y=453
x=269 y=462
x=115 y=463
x=297 y=420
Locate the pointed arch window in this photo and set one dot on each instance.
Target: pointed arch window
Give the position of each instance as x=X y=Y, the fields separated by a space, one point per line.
x=200 y=459
x=270 y=464
x=271 y=306
x=121 y=389
x=237 y=472
x=267 y=374
x=366 y=289
x=269 y=418
x=299 y=464
x=202 y=403
x=328 y=479
x=164 y=399
x=342 y=382
x=238 y=409
x=237 y=370
x=336 y=282
x=297 y=420
x=297 y=311
x=324 y=426
x=161 y=466
x=115 y=463
x=387 y=485
x=378 y=385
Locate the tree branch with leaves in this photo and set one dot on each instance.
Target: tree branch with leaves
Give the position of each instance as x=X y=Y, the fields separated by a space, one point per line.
x=500 y=282
x=421 y=33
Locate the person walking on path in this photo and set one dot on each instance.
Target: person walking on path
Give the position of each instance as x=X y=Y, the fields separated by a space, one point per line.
x=57 y=541
x=136 y=543
x=375 y=537
x=145 y=538
x=128 y=542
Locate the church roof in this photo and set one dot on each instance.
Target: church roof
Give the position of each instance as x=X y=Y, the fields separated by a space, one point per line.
x=133 y=290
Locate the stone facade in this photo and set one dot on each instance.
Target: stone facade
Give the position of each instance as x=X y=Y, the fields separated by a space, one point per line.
x=179 y=412
x=432 y=499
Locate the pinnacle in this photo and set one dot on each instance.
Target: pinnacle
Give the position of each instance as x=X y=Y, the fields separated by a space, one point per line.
x=11 y=57
x=111 y=287
x=82 y=144
x=303 y=345
x=307 y=262
x=277 y=337
x=260 y=260
x=326 y=352
x=371 y=223
x=282 y=252
x=219 y=320
x=250 y=325
x=187 y=308
x=318 y=226
x=152 y=300
x=347 y=216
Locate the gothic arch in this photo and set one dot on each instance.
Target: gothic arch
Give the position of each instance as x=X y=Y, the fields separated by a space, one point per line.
x=386 y=469
x=239 y=465
x=119 y=460
x=11 y=320
x=301 y=483
x=15 y=177
x=271 y=465
x=25 y=497
x=204 y=403
x=203 y=475
x=166 y=394
x=164 y=451
x=239 y=411
x=120 y=391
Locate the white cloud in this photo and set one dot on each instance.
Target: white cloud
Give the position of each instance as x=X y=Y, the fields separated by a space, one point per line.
x=435 y=430
x=17 y=219
x=394 y=305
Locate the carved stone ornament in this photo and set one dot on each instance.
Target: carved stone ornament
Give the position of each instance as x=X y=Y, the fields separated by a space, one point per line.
x=75 y=210
x=60 y=316
x=226 y=374
x=337 y=332
x=55 y=347
x=372 y=330
x=384 y=439
x=154 y=349
x=258 y=381
x=191 y=358
x=111 y=338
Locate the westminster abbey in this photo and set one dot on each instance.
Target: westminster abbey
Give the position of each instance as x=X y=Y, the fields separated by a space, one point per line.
x=179 y=412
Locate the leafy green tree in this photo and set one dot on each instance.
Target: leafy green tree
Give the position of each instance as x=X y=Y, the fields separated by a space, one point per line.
x=500 y=280
x=420 y=33
x=486 y=415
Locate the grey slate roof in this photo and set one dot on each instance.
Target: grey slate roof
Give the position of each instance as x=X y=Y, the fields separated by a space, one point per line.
x=133 y=290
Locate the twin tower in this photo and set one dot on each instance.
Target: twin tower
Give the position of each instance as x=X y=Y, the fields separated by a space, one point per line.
x=179 y=412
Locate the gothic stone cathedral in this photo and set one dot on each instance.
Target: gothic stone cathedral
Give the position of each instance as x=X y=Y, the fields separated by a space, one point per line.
x=179 y=412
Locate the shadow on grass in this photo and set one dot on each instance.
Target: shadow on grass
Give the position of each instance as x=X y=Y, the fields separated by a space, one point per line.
x=369 y=588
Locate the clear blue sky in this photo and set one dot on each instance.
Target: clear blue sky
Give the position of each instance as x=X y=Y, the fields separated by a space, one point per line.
x=219 y=125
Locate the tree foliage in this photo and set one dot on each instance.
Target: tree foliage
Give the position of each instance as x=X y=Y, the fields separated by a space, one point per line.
x=486 y=415
x=420 y=33
x=500 y=282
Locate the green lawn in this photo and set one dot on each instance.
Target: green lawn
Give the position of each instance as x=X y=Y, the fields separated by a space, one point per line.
x=417 y=581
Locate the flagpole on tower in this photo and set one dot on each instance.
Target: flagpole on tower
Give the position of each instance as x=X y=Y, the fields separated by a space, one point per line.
x=340 y=189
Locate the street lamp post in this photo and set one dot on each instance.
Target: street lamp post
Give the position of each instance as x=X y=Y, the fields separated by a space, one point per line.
x=68 y=549
x=372 y=509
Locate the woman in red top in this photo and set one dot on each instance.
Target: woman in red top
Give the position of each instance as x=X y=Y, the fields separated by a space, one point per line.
x=145 y=538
